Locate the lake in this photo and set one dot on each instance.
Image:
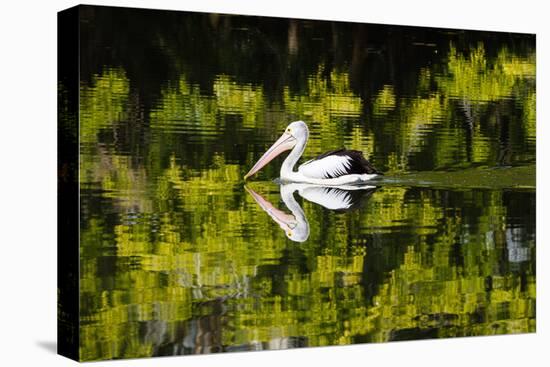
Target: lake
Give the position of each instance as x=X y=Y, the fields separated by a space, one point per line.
x=179 y=255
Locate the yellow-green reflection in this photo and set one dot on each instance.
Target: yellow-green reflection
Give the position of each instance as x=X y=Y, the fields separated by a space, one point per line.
x=103 y=102
x=176 y=258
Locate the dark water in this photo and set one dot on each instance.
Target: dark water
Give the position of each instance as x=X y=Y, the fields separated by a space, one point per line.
x=178 y=257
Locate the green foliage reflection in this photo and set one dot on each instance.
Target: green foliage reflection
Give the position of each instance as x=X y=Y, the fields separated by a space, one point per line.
x=176 y=257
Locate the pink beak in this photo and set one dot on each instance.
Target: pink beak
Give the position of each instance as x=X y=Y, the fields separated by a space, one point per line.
x=285 y=142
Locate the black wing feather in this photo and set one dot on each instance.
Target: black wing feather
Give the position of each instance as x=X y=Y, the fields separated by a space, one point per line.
x=359 y=164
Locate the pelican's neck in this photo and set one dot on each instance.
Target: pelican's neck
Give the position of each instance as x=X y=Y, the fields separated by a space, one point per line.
x=287 y=169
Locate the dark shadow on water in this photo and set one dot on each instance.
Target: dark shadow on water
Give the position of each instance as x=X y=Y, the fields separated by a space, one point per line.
x=49 y=345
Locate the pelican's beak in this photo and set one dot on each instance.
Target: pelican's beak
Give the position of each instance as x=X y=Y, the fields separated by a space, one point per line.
x=285 y=142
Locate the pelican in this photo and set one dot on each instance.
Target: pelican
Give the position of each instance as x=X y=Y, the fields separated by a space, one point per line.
x=295 y=225
x=335 y=168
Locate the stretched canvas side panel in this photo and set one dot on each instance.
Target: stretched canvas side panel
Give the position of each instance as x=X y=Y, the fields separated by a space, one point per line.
x=68 y=191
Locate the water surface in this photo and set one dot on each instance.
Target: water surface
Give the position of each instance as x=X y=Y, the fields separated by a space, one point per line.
x=178 y=257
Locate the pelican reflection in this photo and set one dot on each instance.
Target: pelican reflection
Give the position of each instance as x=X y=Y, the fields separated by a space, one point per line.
x=295 y=224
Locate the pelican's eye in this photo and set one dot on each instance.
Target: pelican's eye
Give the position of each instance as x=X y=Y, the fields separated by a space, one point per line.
x=289 y=234
x=289 y=130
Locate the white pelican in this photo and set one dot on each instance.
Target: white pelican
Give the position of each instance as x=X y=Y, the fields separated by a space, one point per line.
x=295 y=225
x=335 y=168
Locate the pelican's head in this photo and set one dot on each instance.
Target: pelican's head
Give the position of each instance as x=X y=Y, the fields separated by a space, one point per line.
x=296 y=132
x=298 y=129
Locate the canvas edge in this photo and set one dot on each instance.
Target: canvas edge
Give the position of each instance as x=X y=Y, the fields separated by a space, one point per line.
x=68 y=204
